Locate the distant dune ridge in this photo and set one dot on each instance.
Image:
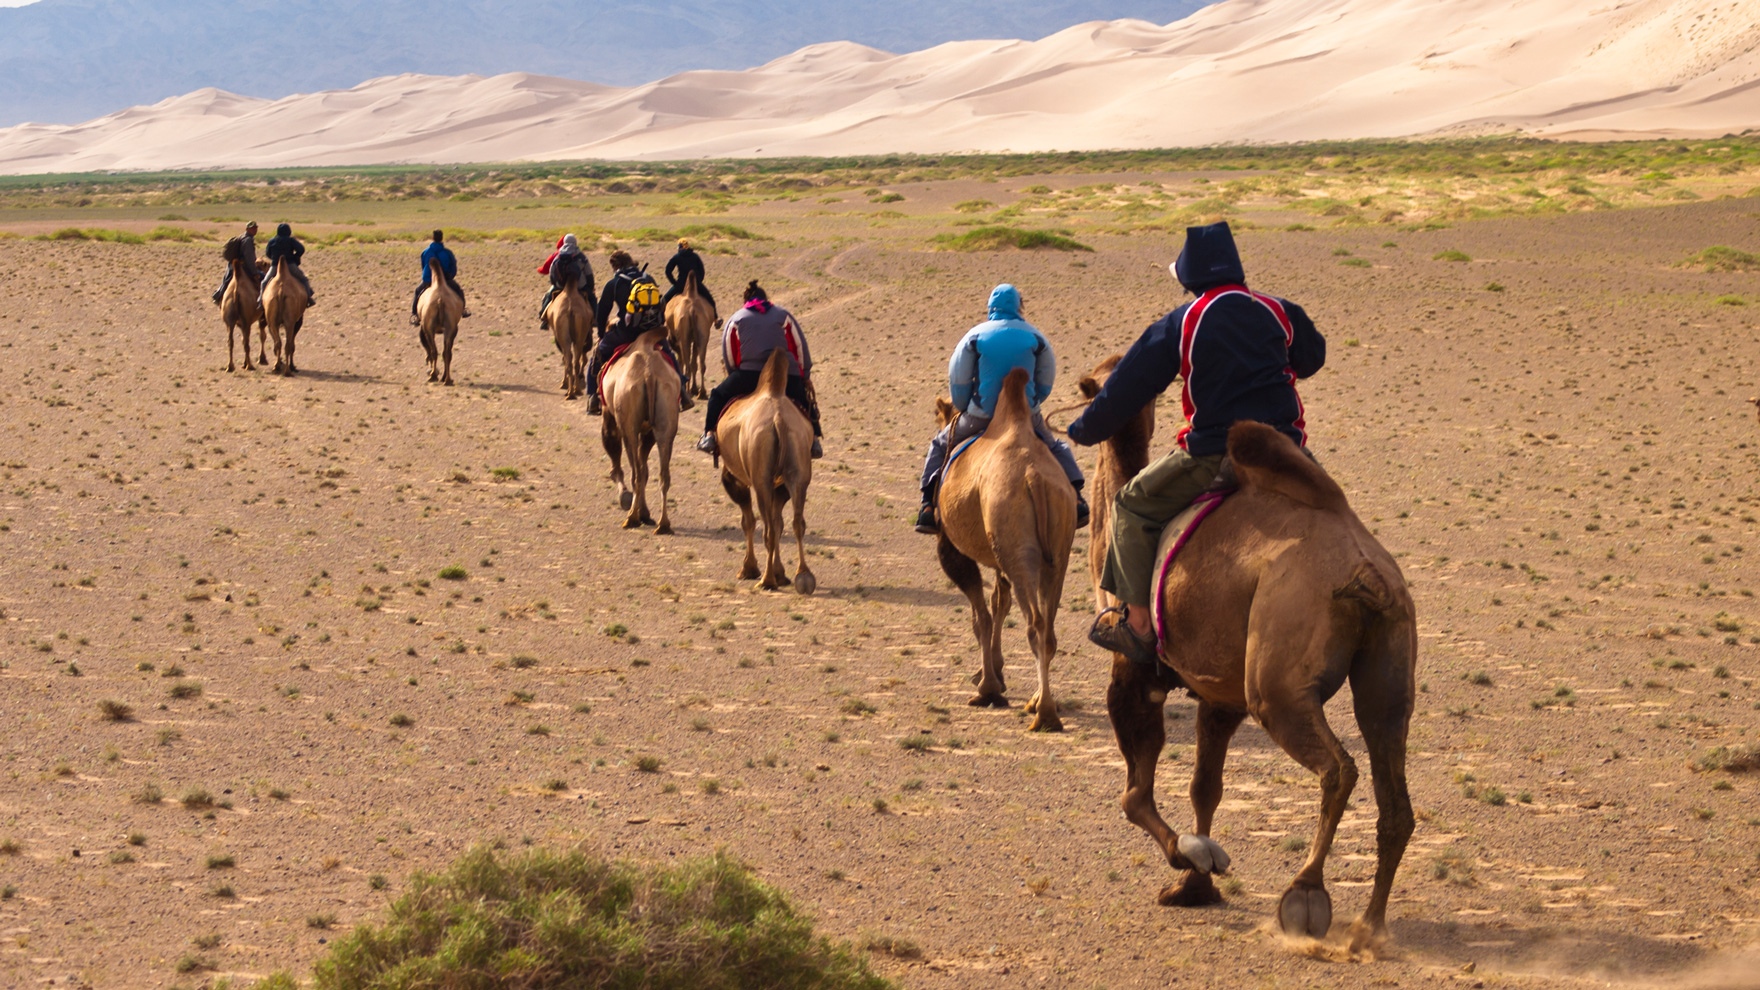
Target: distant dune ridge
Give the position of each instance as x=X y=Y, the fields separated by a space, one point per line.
x=1238 y=71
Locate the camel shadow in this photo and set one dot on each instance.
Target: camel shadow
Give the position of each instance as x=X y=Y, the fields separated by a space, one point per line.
x=898 y=595
x=344 y=377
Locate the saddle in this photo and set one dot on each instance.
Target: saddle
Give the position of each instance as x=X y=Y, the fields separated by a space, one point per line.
x=664 y=350
x=1179 y=531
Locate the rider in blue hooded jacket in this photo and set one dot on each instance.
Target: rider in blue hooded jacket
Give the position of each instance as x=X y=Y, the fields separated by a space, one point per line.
x=984 y=357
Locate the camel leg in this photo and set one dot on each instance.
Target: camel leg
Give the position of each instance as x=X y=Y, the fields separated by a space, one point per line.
x=963 y=572
x=742 y=497
x=990 y=680
x=433 y=352
x=1381 y=689
x=637 y=450
x=805 y=582
x=280 y=359
x=612 y=441
x=1134 y=701
x=292 y=335
x=1216 y=726
x=451 y=333
x=263 y=342
x=770 y=509
x=1042 y=637
x=230 y=344
x=1296 y=720
x=664 y=442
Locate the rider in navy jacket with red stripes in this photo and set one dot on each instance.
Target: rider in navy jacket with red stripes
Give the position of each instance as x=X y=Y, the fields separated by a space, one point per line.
x=1240 y=354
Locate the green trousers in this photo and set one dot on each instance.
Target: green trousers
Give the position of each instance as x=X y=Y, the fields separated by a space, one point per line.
x=1141 y=511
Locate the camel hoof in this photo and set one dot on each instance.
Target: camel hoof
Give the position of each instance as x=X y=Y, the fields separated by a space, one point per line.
x=988 y=701
x=231 y=368
x=1046 y=722
x=1195 y=890
x=805 y=583
x=632 y=522
x=447 y=382
x=1305 y=912
x=748 y=573
x=1367 y=937
x=625 y=499
x=647 y=520
x=1203 y=853
x=664 y=529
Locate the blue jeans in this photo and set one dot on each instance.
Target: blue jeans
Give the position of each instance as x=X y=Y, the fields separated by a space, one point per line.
x=968 y=425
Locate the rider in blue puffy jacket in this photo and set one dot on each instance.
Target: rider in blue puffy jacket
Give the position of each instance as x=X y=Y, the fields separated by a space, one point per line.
x=984 y=357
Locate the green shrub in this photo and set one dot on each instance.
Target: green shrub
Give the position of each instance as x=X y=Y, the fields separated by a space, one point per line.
x=1725 y=259
x=545 y=919
x=454 y=573
x=1451 y=256
x=1000 y=238
x=973 y=206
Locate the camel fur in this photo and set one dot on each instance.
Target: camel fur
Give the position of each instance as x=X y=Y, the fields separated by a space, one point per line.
x=284 y=312
x=641 y=412
x=239 y=308
x=438 y=313
x=689 y=320
x=766 y=447
x=1277 y=600
x=570 y=318
x=1006 y=505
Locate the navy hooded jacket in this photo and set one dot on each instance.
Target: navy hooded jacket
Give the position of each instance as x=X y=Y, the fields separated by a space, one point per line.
x=1239 y=352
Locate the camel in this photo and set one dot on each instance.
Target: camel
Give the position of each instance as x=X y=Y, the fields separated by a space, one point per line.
x=766 y=443
x=284 y=308
x=1005 y=504
x=641 y=412
x=239 y=308
x=1274 y=602
x=439 y=311
x=570 y=318
x=689 y=320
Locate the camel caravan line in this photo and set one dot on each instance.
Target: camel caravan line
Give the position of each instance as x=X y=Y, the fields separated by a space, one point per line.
x=1269 y=593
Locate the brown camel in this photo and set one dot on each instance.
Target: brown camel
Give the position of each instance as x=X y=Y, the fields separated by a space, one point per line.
x=689 y=319
x=1006 y=504
x=641 y=412
x=240 y=308
x=766 y=447
x=1279 y=597
x=439 y=311
x=284 y=309
x=570 y=318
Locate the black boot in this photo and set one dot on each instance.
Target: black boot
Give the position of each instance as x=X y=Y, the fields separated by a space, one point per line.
x=926 y=521
x=1081 y=509
x=1112 y=631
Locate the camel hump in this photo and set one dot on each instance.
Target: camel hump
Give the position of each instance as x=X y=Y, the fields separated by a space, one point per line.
x=650 y=340
x=1012 y=410
x=773 y=380
x=1265 y=458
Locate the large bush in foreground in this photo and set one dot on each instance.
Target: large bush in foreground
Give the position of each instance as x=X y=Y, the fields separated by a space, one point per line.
x=545 y=919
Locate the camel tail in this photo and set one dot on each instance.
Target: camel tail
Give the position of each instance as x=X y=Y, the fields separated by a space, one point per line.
x=773 y=380
x=1265 y=458
x=1013 y=414
x=1041 y=499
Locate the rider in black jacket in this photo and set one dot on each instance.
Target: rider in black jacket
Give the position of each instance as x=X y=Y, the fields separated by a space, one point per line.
x=284 y=245
x=1240 y=354
x=685 y=262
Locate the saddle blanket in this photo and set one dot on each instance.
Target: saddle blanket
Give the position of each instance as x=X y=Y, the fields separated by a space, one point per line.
x=1174 y=539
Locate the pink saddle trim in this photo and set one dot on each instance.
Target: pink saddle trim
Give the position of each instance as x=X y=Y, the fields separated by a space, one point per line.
x=1205 y=504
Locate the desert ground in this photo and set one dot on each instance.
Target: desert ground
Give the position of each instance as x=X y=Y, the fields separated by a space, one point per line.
x=1548 y=427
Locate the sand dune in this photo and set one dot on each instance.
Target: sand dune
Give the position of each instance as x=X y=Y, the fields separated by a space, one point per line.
x=1242 y=70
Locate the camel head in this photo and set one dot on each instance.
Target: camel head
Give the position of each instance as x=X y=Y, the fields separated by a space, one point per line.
x=262 y=264
x=945 y=414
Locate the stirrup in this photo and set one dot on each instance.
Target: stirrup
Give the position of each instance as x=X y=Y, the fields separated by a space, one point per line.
x=708 y=444
x=1118 y=637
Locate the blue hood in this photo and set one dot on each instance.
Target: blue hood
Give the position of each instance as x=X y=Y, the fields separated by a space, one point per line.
x=1005 y=303
x=1209 y=259
x=284 y=231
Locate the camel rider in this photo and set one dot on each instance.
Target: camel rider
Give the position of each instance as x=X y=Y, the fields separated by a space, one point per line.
x=982 y=360
x=568 y=263
x=639 y=313
x=685 y=262
x=746 y=342
x=437 y=249
x=244 y=248
x=614 y=302
x=285 y=246
x=1240 y=353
